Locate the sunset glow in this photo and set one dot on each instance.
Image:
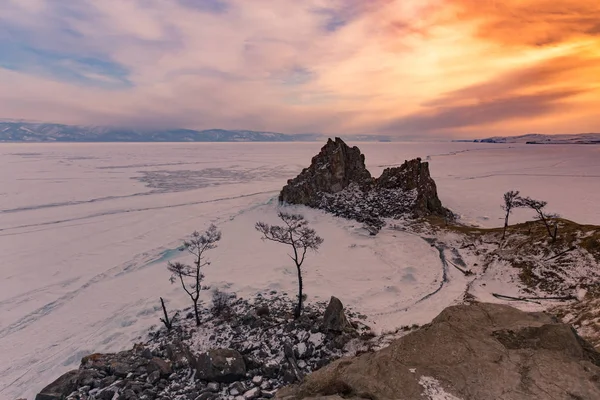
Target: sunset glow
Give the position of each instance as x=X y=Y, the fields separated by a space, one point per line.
x=414 y=68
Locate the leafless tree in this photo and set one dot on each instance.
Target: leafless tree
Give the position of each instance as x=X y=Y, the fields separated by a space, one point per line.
x=511 y=201
x=166 y=320
x=191 y=276
x=538 y=206
x=295 y=233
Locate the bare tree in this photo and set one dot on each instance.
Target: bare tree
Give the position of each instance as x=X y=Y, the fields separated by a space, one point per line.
x=538 y=206
x=295 y=233
x=191 y=276
x=511 y=201
x=168 y=322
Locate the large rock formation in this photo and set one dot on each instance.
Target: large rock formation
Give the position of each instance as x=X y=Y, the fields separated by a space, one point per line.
x=479 y=351
x=338 y=181
x=332 y=170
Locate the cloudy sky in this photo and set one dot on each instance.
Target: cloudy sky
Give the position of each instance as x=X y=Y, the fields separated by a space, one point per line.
x=408 y=68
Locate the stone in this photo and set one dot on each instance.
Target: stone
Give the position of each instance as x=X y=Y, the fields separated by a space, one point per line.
x=60 y=388
x=257 y=380
x=206 y=396
x=252 y=394
x=238 y=387
x=262 y=311
x=147 y=353
x=220 y=365
x=213 y=386
x=158 y=364
x=477 y=351
x=334 y=319
x=153 y=377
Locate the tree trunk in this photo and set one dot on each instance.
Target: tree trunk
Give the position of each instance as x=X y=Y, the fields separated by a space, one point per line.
x=166 y=320
x=299 y=306
x=547 y=227
x=196 y=312
x=505 y=226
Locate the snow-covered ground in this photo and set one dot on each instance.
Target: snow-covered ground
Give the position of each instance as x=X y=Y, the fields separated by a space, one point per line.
x=86 y=230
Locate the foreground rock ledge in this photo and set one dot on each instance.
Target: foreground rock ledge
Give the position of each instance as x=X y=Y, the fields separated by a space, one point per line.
x=480 y=352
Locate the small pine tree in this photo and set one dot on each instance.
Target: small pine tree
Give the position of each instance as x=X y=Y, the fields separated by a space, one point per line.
x=295 y=233
x=191 y=276
x=511 y=201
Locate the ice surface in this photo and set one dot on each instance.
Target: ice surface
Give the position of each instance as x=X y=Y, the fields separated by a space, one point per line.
x=86 y=230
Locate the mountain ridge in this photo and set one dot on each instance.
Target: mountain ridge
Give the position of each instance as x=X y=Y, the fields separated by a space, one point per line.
x=49 y=132
x=538 y=138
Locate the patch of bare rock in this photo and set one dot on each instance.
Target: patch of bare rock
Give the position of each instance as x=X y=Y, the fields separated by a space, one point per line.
x=471 y=352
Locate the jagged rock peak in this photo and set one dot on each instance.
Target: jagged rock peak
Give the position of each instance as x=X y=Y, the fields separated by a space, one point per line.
x=414 y=175
x=338 y=181
x=335 y=167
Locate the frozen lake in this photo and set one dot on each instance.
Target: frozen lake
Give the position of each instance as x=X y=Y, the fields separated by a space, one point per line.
x=86 y=229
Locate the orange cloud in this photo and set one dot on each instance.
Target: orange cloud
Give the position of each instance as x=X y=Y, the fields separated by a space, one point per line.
x=406 y=67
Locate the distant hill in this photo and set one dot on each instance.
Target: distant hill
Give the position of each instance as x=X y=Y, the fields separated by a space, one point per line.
x=44 y=132
x=536 y=138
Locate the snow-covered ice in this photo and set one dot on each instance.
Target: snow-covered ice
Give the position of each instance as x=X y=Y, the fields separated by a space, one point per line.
x=86 y=230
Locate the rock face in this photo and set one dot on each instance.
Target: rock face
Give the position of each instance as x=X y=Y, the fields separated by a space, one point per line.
x=479 y=351
x=334 y=319
x=220 y=365
x=332 y=170
x=60 y=388
x=338 y=181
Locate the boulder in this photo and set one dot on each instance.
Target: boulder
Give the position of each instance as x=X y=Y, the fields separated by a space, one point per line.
x=479 y=351
x=334 y=319
x=60 y=388
x=220 y=365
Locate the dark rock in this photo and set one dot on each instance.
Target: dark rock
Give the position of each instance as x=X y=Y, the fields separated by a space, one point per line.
x=220 y=365
x=262 y=311
x=158 y=364
x=334 y=319
x=91 y=377
x=128 y=395
x=331 y=171
x=147 y=353
x=153 y=378
x=206 y=396
x=149 y=394
x=107 y=394
x=60 y=388
x=338 y=181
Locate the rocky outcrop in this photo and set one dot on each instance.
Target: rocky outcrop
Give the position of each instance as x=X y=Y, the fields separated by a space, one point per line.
x=478 y=351
x=338 y=181
x=332 y=170
x=60 y=388
x=334 y=319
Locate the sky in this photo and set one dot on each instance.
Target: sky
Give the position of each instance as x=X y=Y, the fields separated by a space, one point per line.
x=435 y=68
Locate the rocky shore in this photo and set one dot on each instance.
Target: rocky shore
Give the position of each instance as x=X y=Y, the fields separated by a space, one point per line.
x=248 y=351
